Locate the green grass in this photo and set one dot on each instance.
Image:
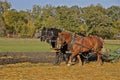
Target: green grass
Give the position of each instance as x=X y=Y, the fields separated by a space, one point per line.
x=112 y=44
x=23 y=45
x=34 y=45
x=112 y=47
x=117 y=42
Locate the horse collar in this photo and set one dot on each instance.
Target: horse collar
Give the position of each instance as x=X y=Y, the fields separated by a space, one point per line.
x=73 y=39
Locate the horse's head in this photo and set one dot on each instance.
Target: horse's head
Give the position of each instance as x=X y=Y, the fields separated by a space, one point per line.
x=63 y=39
x=60 y=40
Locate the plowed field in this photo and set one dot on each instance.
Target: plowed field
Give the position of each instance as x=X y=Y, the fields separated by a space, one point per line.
x=41 y=68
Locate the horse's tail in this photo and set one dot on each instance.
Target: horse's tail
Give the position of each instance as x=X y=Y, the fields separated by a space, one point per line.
x=102 y=42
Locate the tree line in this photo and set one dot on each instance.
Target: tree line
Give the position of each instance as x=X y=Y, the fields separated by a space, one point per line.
x=93 y=19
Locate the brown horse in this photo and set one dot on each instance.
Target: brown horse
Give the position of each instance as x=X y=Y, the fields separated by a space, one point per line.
x=79 y=44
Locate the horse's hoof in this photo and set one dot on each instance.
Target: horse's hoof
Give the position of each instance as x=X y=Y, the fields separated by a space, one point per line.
x=99 y=64
x=68 y=64
x=80 y=64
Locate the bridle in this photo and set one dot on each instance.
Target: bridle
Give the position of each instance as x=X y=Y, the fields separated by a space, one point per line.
x=62 y=40
x=73 y=37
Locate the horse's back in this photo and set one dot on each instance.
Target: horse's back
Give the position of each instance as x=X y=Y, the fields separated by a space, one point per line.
x=96 y=42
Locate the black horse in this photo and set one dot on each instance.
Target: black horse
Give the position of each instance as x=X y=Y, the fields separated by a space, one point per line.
x=50 y=35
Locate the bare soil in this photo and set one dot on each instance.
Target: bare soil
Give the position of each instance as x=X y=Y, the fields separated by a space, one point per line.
x=33 y=57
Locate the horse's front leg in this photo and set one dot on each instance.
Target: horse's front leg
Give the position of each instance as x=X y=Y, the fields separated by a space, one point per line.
x=80 y=62
x=70 y=59
x=99 y=58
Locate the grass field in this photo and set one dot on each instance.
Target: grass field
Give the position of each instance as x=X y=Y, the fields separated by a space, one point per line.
x=34 y=45
x=23 y=45
x=112 y=45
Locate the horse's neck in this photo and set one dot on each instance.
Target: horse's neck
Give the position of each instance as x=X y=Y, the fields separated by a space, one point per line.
x=68 y=39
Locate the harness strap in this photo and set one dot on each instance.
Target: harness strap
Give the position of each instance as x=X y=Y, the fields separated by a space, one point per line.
x=72 y=41
x=83 y=46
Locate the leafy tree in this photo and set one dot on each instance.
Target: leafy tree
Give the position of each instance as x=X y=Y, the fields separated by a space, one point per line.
x=93 y=19
x=11 y=18
x=117 y=27
x=4 y=6
x=16 y=22
x=114 y=12
x=98 y=22
x=36 y=15
x=2 y=28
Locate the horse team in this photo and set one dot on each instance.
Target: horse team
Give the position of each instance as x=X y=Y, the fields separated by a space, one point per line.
x=74 y=43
